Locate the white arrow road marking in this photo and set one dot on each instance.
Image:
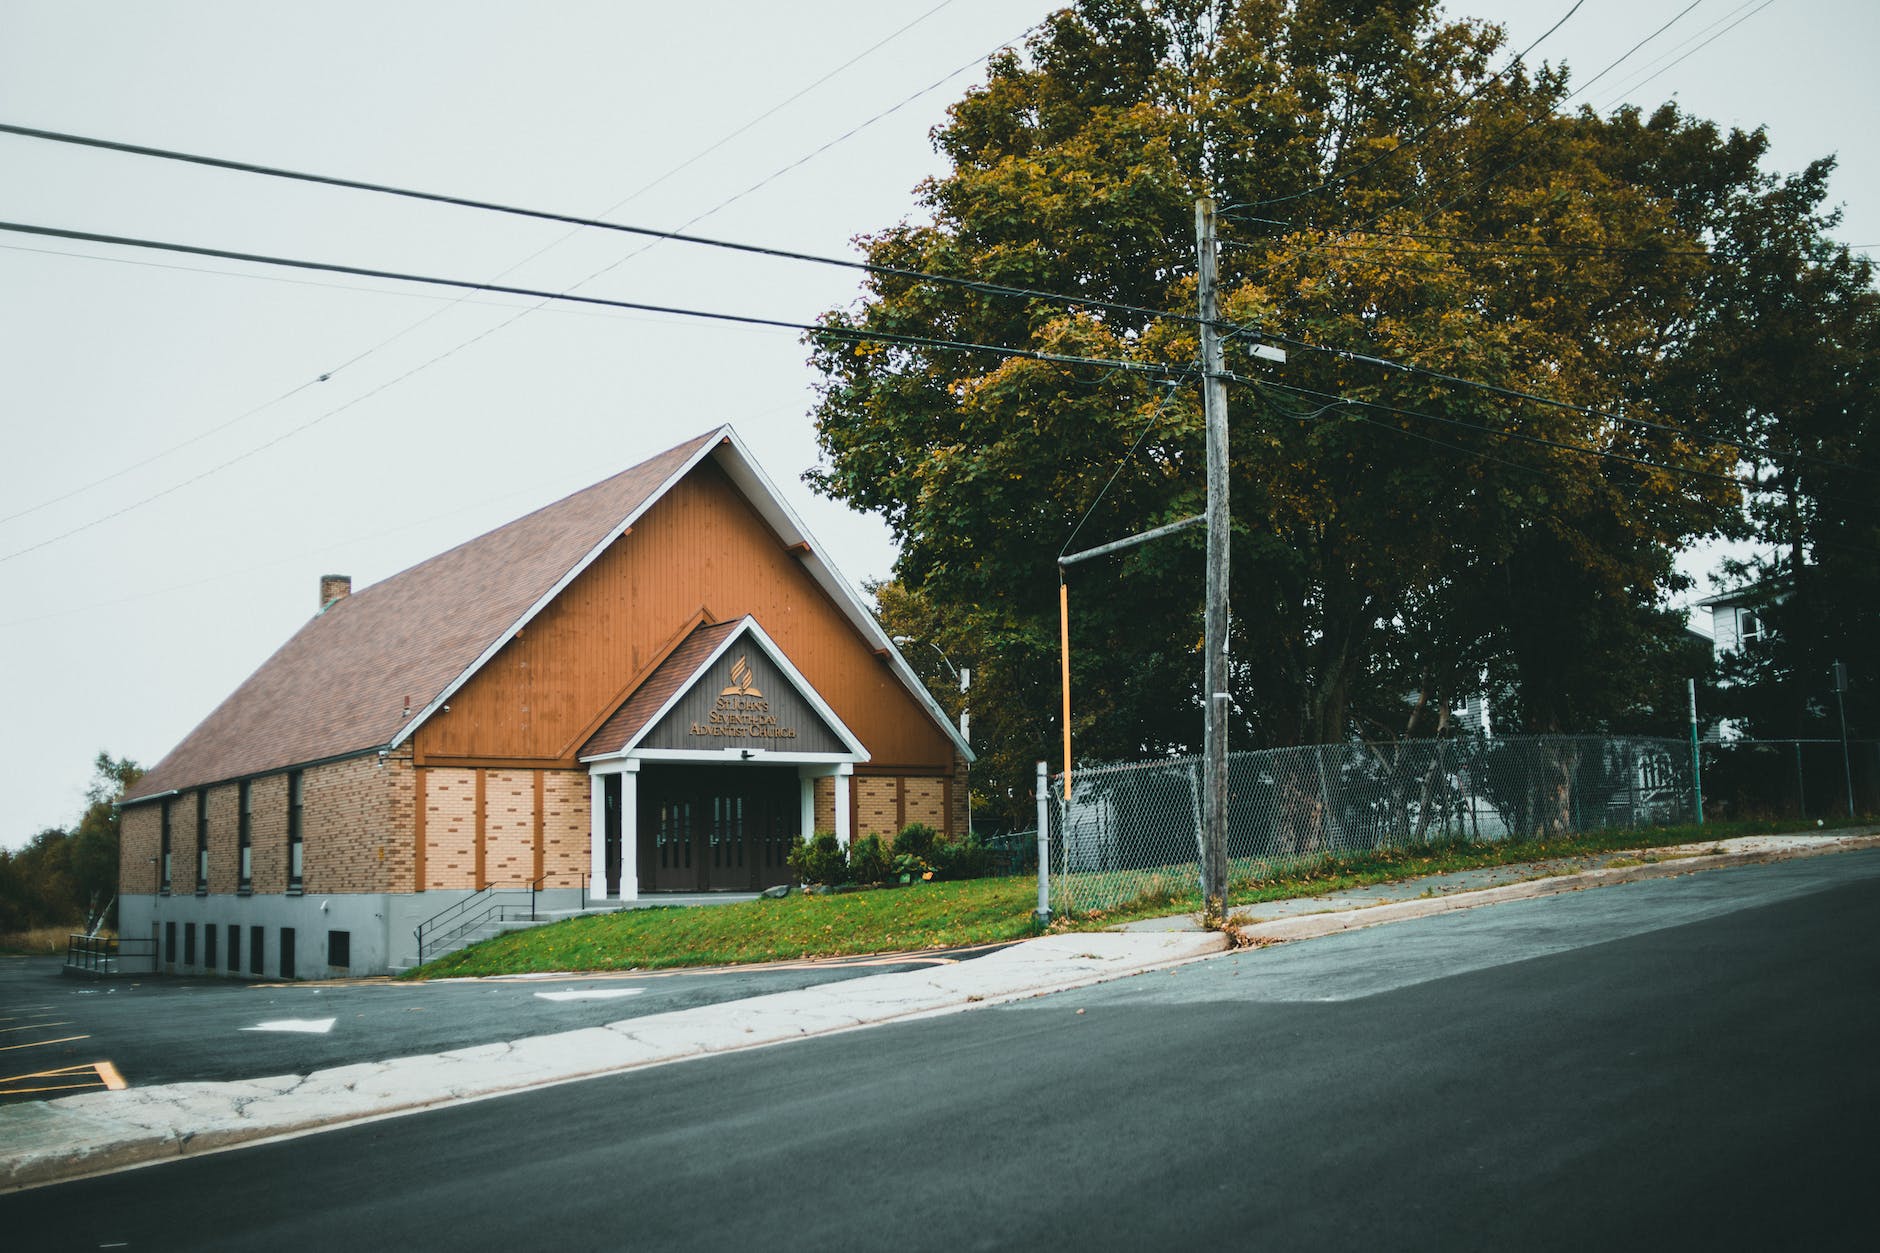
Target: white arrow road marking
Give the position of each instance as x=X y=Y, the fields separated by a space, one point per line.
x=313 y=1026
x=590 y=994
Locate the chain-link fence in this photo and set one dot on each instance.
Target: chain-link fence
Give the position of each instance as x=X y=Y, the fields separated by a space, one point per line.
x=1133 y=831
x=1790 y=778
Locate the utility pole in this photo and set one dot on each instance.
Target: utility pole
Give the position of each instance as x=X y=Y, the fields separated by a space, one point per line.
x=1214 y=635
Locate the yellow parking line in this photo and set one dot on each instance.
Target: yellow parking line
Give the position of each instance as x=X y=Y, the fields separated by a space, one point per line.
x=8 y=1048
x=56 y=1087
x=60 y=1073
x=112 y=1079
x=34 y=1026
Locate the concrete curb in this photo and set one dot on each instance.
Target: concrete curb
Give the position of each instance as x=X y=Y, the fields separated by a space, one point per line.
x=1678 y=860
x=95 y=1133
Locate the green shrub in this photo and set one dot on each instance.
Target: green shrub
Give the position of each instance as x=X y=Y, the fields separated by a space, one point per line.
x=916 y=840
x=960 y=859
x=868 y=861
x=820 y=859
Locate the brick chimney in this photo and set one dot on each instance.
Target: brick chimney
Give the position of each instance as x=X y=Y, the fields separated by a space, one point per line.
x=334 y=587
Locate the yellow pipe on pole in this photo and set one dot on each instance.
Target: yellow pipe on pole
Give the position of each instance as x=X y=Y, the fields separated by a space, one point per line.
x=1064 y=642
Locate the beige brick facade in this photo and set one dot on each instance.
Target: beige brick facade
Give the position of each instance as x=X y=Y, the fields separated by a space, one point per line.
x=450 y=828
x=566 y=812
x=824 y=792
x=508 y=827
x=875 y=806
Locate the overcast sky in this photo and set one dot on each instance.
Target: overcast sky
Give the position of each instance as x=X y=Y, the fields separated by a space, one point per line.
x=190 y=444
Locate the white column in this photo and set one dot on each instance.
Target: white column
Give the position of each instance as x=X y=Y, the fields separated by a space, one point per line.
x=843 y=773
x=597 y=836
x=807 y=827
x=629 y=830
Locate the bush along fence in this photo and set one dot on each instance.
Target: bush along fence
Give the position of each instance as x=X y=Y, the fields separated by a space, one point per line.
x=1133 y=831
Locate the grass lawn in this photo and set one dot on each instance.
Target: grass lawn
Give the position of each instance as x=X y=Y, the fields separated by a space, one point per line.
x=978 y=911
x=921 y=915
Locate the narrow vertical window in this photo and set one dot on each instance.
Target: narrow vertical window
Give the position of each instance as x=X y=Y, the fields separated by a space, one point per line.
x=202 y=841
x=234 y=948
x=257 y=940
x=163 y=871
x=245 y=821
x=208 y=946
x=293 y=832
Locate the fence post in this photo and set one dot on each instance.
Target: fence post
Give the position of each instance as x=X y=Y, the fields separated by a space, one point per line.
x=1801 y=780
x=1697 y=761
x=1044 y=843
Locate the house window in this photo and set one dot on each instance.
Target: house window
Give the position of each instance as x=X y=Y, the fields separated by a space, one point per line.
x=234 y=947
x=339 y=949
x=293 y=833
x=208 y=945
x=246 y=823
x=189 y=944
x=1749 y=626
x=163 y=883
x=202 y=841
x=257 y=940
x=287 y=952
x=169 y=944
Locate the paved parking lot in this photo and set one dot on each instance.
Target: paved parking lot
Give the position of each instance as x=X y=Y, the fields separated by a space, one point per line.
x=68 y=1035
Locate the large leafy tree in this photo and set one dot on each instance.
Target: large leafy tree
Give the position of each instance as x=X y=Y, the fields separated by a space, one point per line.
x=1389 y=193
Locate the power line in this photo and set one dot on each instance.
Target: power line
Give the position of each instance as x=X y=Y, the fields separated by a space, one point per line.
x=816 y=329
x=1635 y=85
x=1490 y=246
x=1518 y=59
x=653 y=233
x=327 y=374
x=1520 y=436
x=1531 y=123
x=1155 y=415
x=1514 y=393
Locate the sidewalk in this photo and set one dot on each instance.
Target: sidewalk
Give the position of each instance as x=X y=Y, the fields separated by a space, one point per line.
x=49 y=1141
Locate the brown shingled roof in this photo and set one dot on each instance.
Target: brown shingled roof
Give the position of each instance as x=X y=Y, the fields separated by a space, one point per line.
x=339 y=686
x=679 y=669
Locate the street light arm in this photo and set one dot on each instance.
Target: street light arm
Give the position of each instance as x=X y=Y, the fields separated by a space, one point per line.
x=908 y=639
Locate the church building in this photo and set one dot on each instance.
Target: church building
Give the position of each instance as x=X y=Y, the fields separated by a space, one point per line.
x=657 y=685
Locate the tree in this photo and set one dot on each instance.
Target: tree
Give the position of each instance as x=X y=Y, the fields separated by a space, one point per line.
x=1390 y=196
x=65 y=878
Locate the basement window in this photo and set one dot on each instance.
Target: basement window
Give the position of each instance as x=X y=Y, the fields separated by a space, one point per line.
x=339 y=949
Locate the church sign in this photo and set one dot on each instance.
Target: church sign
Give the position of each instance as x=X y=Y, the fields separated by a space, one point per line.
x=743 y=700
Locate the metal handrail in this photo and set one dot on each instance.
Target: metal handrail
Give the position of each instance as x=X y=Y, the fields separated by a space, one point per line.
x=490 y=902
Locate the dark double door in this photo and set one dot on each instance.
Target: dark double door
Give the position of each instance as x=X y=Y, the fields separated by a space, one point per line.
x=716 y=828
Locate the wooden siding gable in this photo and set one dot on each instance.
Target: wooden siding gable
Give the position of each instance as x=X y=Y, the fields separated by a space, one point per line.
x=733 y=672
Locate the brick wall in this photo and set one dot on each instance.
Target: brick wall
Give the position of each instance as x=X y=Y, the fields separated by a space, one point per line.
x=267 y=832
x=926 y=802
x=450 y=828
x=959 y=820
x=875 y=806
x=508 y=827
x=825 y=793
x=566 y=813
x=356 y=827
x=140 y=839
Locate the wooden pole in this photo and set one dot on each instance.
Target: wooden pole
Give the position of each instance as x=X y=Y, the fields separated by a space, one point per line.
x=1214 y=637
x=1064 y=649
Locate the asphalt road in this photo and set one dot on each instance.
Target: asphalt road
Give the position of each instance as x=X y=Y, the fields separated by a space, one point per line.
x=168 y=1030
x=1685 y=1063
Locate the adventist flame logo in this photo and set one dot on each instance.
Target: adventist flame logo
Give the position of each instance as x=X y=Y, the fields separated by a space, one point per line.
x=741 y=684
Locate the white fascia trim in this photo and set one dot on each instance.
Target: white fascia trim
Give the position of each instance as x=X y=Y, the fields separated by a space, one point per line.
x=748 y=626
x=611 y=765
x=706 y=445
x=719 y=756
x=776 y=511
